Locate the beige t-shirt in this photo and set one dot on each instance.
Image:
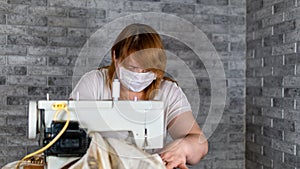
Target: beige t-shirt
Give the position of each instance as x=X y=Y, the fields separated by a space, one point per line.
x=93 y=86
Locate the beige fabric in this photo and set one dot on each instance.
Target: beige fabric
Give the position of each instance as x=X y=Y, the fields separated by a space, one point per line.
x=112 y=153
x=116 y=154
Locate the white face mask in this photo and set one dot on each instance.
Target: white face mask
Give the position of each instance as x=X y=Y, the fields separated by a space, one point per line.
x=134 y=81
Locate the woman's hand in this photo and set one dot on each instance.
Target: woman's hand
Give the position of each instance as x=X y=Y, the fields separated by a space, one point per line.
x=174 y=154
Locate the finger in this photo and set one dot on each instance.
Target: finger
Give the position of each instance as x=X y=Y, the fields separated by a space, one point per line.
x=183 y=166
x=170 y=165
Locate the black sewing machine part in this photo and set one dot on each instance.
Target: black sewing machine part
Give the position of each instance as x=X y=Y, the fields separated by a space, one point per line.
x=73 y=143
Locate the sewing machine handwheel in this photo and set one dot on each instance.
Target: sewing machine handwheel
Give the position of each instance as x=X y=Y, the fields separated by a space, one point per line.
x=32 y=120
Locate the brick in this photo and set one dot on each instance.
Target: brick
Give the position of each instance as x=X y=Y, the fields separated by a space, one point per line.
x=27 y=40
x=238 y=46
x=47 y=51
x=254 y=6
x=254 y=44
x=2 y=19
x=271 y=2
x=12 y=50
x=280 y=165
x=292 y=14
x=291 y=137
x=67 y=22
x=26 y=20
x=273 y=81
x=292 y=160
x=68 y=3
x=264 y=32
x=287 y=70
x=257 y=25
x=13 y=9
x=292 y=92
x=283 y=124
x=262 y=101
x=88 y=13
x=47 y=11
x=253 y=91
x=26 y=80
x=253 y=147
x=272 y=112
x=262 y=121
x=12 y=29
x=236 y=137
x=213 y=2
x=284 y=6
x=236 y=92
x=250 y=164
x=272 y=133
x=263 y=13
x=34 y=70
x=293 y=36
x=17 y=100
x=262 y=140
x=264 y=71
x=273 y=40
x=67 y=41
x=12 y=151
x=77 y=32
x=12 y=130
x=61 y=61
x=272 y=61
x=272 y=153
x=13 y=90
x=28 y=2
x=293 y=115
x=26 y=60
x=2 y=60
x=42 y=91
x=254 y=82
x=284 y=49
x=178 y=8
x=21 y=140
x=235 y=82
x=252 y=128
x=263 y=52
x=290 y=81
x=210 y=11
x=285 y=27
x=14 y=70
x=59 y=81
x=16 y=120
x=272 y=92
x=2 y=80
x=150 y=6
x=283 y=103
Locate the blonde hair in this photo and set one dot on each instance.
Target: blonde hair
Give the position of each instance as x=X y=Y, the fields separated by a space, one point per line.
x=134 y=40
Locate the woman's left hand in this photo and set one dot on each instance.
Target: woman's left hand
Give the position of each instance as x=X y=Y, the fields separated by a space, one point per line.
x=174 y=154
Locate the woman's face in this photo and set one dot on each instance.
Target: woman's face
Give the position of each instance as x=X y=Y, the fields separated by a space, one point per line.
x=131 y=64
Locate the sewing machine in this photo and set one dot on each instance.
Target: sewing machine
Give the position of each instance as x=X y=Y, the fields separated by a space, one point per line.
x=145 y=119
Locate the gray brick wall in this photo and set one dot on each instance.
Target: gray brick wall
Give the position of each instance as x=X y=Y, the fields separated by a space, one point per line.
x=40 y=41
x=272 y=137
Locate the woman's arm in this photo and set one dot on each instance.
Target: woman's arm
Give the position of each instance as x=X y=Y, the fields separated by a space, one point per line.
x=189 y=145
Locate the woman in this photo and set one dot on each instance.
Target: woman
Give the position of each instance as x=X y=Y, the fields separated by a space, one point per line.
x=139 y=61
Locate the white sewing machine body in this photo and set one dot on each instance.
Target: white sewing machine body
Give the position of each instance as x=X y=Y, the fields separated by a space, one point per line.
x=145 y=119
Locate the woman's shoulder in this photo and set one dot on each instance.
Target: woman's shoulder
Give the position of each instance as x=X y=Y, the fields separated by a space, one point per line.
x=98 y=73
x=168 y=84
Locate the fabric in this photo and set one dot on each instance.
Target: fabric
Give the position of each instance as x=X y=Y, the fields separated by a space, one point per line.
x=112 y=153
x=93 y=86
